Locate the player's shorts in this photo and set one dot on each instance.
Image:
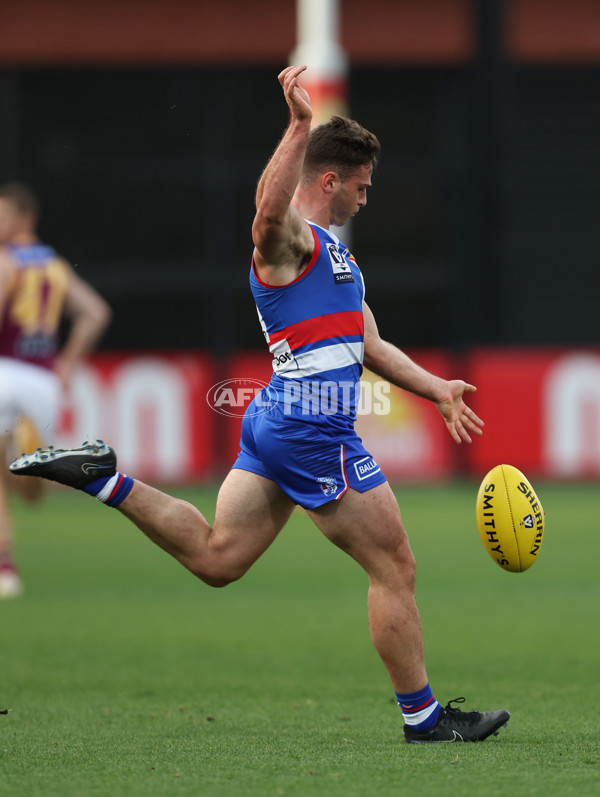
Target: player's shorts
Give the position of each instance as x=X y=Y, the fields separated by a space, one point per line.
x=314 y=459
x=28 y=391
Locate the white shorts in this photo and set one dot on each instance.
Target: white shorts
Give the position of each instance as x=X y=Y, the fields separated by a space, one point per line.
x=31 y=391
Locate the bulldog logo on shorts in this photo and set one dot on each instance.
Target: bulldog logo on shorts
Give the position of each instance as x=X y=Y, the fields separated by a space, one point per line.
x=329 y=485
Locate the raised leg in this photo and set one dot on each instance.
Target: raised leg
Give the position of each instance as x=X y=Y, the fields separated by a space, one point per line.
x=250 y=513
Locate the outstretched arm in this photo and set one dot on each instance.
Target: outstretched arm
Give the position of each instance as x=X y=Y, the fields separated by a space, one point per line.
x=392 y=364
x=280 y=235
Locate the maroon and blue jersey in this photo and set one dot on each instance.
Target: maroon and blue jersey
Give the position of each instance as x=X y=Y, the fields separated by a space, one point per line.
x=33 y=304
x=314 y=328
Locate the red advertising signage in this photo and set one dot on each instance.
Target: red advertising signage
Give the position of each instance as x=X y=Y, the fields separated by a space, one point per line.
x=247 y=374
x=150 y=407
x=541 y=409
x=172 y=417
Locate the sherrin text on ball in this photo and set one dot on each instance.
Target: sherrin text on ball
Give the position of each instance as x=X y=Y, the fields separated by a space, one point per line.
x=510 y=518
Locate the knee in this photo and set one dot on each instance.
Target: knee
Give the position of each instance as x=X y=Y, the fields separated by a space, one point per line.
x=405 y=565
x=215 y=576
x=216 y=580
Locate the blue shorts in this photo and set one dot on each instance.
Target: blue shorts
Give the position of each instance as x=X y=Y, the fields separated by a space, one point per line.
x=314 y=459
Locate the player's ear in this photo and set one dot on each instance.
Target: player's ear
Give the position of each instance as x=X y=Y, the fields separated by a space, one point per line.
x=328 y=181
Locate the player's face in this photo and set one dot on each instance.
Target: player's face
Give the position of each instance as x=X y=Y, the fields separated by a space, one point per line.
x=350 y=195
x=9 y=219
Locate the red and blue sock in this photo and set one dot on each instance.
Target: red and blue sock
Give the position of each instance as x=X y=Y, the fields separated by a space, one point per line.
x=419 y=709
x=111 y=490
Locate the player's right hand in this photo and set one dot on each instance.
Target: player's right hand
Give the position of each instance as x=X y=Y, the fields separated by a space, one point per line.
x=296 y=97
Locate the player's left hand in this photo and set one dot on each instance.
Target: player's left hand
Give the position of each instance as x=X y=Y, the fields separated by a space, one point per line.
x=460 y=420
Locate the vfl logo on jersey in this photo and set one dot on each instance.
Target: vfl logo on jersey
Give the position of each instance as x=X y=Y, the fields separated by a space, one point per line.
x=341 y=269
x=328 y=484
x=366 y=467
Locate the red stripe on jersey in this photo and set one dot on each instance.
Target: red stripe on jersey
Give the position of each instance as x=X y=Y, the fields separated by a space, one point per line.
x=321 y=327
x=313 y=260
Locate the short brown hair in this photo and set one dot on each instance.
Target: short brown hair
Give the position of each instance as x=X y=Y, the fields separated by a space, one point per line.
x=23 y=198
x=340 y=144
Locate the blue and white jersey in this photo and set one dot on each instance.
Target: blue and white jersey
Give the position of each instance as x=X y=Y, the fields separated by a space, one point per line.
x=314 y=328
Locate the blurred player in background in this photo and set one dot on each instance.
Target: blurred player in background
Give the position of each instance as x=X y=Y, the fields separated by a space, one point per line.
x=298 y=445
x=37 y=288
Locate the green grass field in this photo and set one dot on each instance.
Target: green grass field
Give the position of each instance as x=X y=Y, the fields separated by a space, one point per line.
x=126 y=676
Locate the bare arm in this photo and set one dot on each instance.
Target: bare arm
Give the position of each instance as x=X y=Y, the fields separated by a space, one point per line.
x=280 y=235
x=6 y=276
x=89 y=315
x=392 y=364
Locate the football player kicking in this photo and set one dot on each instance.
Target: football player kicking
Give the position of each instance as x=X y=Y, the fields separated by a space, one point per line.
x=298 y=444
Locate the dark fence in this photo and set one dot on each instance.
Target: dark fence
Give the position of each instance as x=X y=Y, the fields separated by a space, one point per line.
x=480 y=227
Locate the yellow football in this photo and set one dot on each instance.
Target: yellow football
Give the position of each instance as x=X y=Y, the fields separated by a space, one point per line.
x=510 y=518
